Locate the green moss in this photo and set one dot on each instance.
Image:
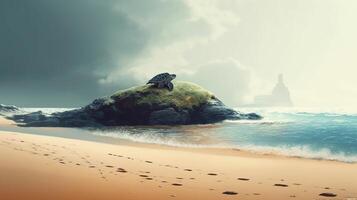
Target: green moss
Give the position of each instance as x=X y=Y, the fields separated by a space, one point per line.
x=184 y=95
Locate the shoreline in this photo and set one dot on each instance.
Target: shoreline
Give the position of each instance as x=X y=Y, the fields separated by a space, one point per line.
x=159 y=173
x=226 y=151
x=48 y=167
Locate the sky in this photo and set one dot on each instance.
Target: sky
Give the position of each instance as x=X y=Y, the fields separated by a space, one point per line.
x=67 y=53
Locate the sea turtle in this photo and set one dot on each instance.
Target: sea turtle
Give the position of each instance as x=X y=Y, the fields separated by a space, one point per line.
x=163 y=80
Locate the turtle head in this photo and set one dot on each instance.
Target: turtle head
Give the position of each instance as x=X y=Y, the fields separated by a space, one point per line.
x=173 y=76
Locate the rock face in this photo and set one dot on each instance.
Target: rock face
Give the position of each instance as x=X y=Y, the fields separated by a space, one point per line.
x=187 y=103
x=280 y=96
x=7 y=109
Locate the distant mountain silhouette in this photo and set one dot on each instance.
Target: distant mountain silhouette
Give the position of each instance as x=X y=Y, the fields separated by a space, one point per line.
x=280 y=96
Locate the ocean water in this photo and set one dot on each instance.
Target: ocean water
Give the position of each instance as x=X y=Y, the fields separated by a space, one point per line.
x=298 y=132
x=309 y=133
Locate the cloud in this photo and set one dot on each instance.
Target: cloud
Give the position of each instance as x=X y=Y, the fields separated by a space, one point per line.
x=66 y=53
x=206 y=23
x=63 y=51
x=227 y=79
x=171 y=50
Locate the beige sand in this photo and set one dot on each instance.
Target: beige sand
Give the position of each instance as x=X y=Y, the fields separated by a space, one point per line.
x=41 y=167
x=6 y=122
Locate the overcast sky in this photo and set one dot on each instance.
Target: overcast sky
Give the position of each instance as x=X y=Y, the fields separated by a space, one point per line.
x=66 y=53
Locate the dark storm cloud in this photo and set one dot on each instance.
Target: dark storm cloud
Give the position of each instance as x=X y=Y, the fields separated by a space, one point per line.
x=53 y=53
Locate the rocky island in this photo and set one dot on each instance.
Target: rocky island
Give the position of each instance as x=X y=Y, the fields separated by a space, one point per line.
x=187 y=103
x=6 y=108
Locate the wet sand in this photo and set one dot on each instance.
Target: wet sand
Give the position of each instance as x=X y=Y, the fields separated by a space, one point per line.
x=43 y=167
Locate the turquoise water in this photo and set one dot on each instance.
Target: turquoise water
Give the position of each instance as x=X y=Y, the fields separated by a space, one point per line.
x=319 y=135
x=310 y=133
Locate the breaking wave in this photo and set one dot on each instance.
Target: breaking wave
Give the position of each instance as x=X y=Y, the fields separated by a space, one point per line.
x=302 y=152
x=299 y=151
x=307 y=133
x=314 y=133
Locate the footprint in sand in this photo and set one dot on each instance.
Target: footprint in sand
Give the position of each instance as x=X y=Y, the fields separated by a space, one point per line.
x=212 y=174
x=121 y=170
x=109 y=166
x=328 y=194
x=229 y=193
x=142 y=175
x=189 y=170
x=281 y=185
x=148 y=161
x=243 y=179
x=176 y=184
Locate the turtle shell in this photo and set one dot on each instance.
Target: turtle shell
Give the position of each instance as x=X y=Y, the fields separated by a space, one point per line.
x=160 y=78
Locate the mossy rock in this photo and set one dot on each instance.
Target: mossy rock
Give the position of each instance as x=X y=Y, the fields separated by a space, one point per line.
x=187 y=103
x=185 y=95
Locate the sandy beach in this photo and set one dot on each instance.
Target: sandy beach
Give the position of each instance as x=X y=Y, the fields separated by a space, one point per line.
x=43 y=167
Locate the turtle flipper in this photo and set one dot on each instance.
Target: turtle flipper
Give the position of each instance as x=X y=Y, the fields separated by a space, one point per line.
x=170 y=86
x=160 y=85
